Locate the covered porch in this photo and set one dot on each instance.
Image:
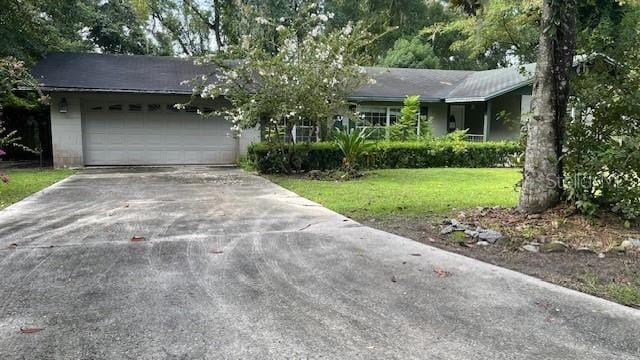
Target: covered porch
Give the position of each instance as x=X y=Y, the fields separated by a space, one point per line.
x=494 y=119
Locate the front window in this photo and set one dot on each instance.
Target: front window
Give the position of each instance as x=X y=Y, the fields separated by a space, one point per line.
x=305 y=132
x=394 y=115
x=374 y=119
x=377 y=119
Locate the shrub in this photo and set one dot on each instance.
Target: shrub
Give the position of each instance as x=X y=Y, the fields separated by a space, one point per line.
x=602 y=142
x=384 y=155
x=609 y=178
x=353 y=144
x=405 y=128
x=314 y=156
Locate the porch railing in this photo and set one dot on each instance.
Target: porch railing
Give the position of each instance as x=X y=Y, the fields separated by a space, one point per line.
x=475 y=137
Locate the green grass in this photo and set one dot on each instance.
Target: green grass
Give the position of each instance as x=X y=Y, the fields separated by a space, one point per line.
x=23 y=183
x=623 y=293
x=410 y=192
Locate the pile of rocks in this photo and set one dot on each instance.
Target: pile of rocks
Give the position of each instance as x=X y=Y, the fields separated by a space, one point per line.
x=475 y=233
x=468 y=234
x=548 y=247
x=628 y=245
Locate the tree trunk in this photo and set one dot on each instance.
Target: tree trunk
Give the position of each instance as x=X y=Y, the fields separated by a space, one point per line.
x=216 y=24
x=543 y=173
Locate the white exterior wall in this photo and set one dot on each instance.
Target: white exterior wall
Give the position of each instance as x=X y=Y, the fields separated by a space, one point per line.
x=438 y=115
x=248 y=137
x=512 y=104
x=66 y=132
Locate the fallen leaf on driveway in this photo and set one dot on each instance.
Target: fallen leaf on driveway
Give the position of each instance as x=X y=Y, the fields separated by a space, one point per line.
x=217 y=251
x=137 y=238
x=30 y=330
x=393 y=279
x=13 y=246
x=441 y=272
x=416 y=254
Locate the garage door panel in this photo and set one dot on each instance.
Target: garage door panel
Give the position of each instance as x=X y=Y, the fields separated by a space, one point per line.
x=132 y=138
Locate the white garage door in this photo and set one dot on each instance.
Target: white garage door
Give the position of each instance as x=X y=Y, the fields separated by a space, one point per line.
x=153 y=134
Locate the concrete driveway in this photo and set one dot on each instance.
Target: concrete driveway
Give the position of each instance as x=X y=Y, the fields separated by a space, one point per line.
x=234 y=267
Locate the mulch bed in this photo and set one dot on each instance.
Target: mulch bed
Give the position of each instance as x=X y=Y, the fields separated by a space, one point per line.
x=596 y=268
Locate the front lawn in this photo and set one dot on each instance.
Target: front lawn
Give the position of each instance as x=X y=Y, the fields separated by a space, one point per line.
x=24 y=182
x=410 y=192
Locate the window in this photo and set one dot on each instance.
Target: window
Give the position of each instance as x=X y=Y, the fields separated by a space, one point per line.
x=305 y=132
x=375 y=119
x=94 y=106
x=135 y=107
x=154 y=108
x=394 y=115
x=115 y=107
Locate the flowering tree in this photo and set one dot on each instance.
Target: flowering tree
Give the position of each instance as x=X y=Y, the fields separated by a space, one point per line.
x=13 y=74
x=305 y=76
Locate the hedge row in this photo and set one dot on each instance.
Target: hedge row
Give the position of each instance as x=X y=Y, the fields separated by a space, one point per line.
x=386 y=155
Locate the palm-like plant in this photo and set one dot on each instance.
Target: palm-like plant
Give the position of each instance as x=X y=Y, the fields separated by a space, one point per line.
x=353 y=143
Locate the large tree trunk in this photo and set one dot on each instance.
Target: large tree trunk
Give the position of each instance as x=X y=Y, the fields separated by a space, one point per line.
x=542 y=185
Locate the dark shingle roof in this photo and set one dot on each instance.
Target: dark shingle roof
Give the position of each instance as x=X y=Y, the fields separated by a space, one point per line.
x=449 y=85
x=484 y=85
x=163 y=75
x=394 y=84
x=117 y=73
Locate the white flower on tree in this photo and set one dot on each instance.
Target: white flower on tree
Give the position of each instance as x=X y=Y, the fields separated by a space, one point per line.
x=306 y=74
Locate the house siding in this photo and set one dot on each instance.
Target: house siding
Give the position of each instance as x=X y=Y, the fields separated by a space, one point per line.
x=438 y=114
x=510 y=103
x=66 y=132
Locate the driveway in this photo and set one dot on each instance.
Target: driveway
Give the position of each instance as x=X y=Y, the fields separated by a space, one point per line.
x=235 y=267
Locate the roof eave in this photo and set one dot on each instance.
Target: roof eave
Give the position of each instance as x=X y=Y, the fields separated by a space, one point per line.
x=391 y=98
x=127 y=91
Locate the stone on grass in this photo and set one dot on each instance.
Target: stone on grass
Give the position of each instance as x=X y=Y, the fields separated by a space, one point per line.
x=627 y=245
x=447 y=230
x=634 y=242
x=585 y=250
x=531 y=248
x=314 y=174
x=483 y=243
x=471 y=233
x=489 y=235
x=451 y=226
x=553 y=247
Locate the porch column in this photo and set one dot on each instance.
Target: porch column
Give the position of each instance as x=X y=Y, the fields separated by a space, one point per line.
x=488 y=113
x=388 y=123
